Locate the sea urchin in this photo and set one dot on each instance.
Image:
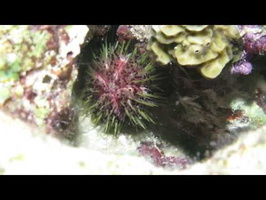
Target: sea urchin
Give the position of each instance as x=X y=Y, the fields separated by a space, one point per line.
x=120 y=86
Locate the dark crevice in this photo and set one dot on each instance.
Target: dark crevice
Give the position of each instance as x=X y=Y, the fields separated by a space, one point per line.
x=196 y=112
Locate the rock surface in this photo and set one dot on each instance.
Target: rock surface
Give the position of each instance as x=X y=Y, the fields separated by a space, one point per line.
x=27 y=150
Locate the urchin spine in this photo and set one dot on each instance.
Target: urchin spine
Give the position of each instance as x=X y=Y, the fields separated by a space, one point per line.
x=119 y=88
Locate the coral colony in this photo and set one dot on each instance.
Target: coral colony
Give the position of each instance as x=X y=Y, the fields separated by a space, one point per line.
x=206 y=48
x=118 y=88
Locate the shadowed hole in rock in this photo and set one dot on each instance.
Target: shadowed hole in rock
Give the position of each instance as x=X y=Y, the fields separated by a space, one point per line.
x=196 y=115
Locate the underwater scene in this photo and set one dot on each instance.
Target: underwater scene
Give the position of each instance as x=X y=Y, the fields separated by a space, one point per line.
x=133 y=99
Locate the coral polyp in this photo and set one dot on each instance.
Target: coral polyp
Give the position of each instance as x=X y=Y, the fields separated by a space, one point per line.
x=120 y=87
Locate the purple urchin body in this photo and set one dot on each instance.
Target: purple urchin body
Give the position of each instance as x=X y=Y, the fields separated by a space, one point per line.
x=119 y=88
x=116 y=83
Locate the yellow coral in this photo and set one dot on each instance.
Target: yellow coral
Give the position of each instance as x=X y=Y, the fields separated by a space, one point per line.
x=208 y=48
x=214 y=67
x=162 y=57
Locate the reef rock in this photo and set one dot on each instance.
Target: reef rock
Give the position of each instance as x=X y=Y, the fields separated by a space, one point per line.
x=37 y=71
